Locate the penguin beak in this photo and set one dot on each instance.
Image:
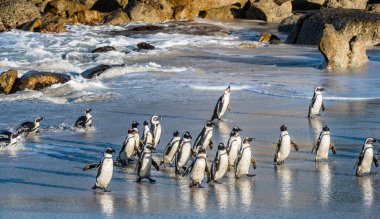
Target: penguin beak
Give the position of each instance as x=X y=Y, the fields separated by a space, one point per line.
x=374 y=140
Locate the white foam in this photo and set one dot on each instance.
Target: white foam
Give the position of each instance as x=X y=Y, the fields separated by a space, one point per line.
x=220 y=88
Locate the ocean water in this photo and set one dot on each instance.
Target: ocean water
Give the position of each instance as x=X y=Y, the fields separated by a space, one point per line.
x=181 y=80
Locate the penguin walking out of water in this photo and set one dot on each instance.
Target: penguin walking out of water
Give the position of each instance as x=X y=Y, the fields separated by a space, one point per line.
x=283 y=146
x=156 y=129
x=204 y=138
x=198 y=169
x=147 y=137
x=171 y=149
x=31 y=127
x=8 y=138
x=138 y=141
x=233 y=146
x=366 y=157
x=184 y=152
x=105 y=170
x=316 y=103
x=220 y=164
x=145 y=163
x=129 y=148
x=323 y=145
x=84 y=121
x=245 y=160
x=222 y=105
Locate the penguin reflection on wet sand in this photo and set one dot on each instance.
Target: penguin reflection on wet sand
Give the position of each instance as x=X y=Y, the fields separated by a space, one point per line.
x=84 y=121
x=323 y=145
x=233 y=146
x=316 y=103
x=245 y=160
x=129 y=148
x=366 y=157
x=31 y=127
x=171 y=149
x=155 y=128
x=198 y=169
x=105 y=170
x=220 y=164
x=222 y=105
x=145 y=163
x=283 y=146
x=184 y=152
x=204 y=138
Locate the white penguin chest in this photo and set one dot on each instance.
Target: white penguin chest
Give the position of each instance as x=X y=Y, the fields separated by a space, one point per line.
x=245 y=161
x=146 y=165
x=284 y=148
x=233 y=152
x=317 y=104
x=88 y=121
x=185 y=154
x=130 y=147
x=365 y=166
x=226 y=101
x=198 y=171
x=324 y=146
x=157 y=134
x=223 y=165
x=207 y=139
x=106 y=173
x=172 y=152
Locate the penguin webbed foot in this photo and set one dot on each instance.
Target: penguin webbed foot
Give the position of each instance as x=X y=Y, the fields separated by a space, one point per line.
x=251 y=175
x=217 y=182
x=139 y=180
x=151 y=180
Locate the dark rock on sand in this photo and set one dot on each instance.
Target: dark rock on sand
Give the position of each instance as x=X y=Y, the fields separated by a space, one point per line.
x=7 y=80
x=34 y=80
x=95 y=71
x=144 y=45
x=269 y=38
x=103 y=49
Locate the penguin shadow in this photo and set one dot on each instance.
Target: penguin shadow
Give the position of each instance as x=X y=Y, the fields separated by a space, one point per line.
x=106 y=202
x=366 y=187
x=24 y=182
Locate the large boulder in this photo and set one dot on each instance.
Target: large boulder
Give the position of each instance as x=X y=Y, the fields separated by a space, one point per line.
x=2 y=27
x=88 y=17
x=307 y=4
x=7 y=79
x=288 y=24
x=108 y=5
x=14 y=13
x=40 y=4
x=373 y=8
x=269 y=11
x=150 y=11
x=349 y=4
x=95 y=71
x=64 y=8
x=117 y=17
x=226 y=12
x=34 y=80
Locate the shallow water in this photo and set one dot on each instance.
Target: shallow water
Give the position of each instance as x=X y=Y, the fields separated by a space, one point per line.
x=181 y=80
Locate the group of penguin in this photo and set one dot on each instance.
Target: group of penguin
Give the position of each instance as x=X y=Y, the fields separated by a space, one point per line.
x=236 y=154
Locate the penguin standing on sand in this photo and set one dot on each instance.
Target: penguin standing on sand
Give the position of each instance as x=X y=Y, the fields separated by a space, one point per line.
x=220 y=164
x=316 y=103
x=145 y=163
x=31 y=127
x=233 y=146
x=84 y=121
x=204 y=138
x=105 y=170
x=184 y=152
x=198 y=169
x=10 y=139
x=222 y=105
x=366 y=157
x=245 y=160
x=171 y=149
x=323 y=145
x=139 y=143
x=147 y=137
x=129 y=148
x=156 y=129
x=283 y=146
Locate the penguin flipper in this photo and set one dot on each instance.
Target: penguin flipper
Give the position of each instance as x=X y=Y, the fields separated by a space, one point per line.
x=217 y=109
x=211 y=145
x=208 y=173
x=323 y=107
x=189 y=168
x=253 y=161
x=375 y=161
x=154 y=163
x=91 y=166
x=294 y=145
x=333 y=149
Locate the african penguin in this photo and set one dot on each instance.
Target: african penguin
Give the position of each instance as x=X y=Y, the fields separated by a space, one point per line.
x=84 y=121
x=233 y=146
x=105 y=170
x=145 y=163
x=129 y=148
x=138 y=141
x=222 y=104
x=184 y=152
x=10 y=139
x=147 y=137
x=366 y=157
x=316 y=103
x=198 y=169
x=245 y=159
x=171 y=149
x=220 y=164
x=155 y=129
x=323 y=145
x=204 y=138
x=283 y=146
x=31 y=127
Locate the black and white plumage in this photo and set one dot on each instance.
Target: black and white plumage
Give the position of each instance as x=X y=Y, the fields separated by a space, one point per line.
x=245 y=160
x=233 y=146
x=171 y=149
x=204 y=138
x=222 y=105
x=323 y=145
x=155 y=128
x=184 y=152
x=147 y=137
x=105 y=170
x=145 y=163
x=31 y=127
x=84 y=121
x=198 y=169
x=283 y=146
x=366 y=157
x=316 y=103
x=129 y=148
x=220 y=164
x=8 y=138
